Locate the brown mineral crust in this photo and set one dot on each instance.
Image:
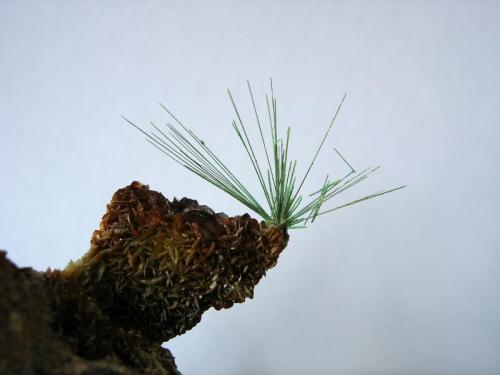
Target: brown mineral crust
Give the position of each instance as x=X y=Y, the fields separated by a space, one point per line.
x=155 y=266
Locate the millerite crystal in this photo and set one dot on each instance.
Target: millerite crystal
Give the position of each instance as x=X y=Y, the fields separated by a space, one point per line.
x=284 y=205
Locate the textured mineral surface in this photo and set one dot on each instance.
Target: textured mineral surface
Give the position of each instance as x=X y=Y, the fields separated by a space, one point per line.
x=33 y=335
x=153 y=268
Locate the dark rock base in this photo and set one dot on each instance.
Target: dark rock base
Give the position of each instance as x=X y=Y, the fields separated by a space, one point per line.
x=32 y=339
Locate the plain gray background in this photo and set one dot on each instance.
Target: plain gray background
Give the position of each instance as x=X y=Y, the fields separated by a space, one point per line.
x=404 y=284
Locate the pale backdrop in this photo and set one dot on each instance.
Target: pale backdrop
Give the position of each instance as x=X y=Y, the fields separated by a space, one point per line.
x=406 y=284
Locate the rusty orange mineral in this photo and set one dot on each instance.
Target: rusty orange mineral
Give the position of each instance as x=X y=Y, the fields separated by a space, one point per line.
x=157 y=265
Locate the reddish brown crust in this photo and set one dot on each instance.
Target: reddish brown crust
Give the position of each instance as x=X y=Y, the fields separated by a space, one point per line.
x=158 y=265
